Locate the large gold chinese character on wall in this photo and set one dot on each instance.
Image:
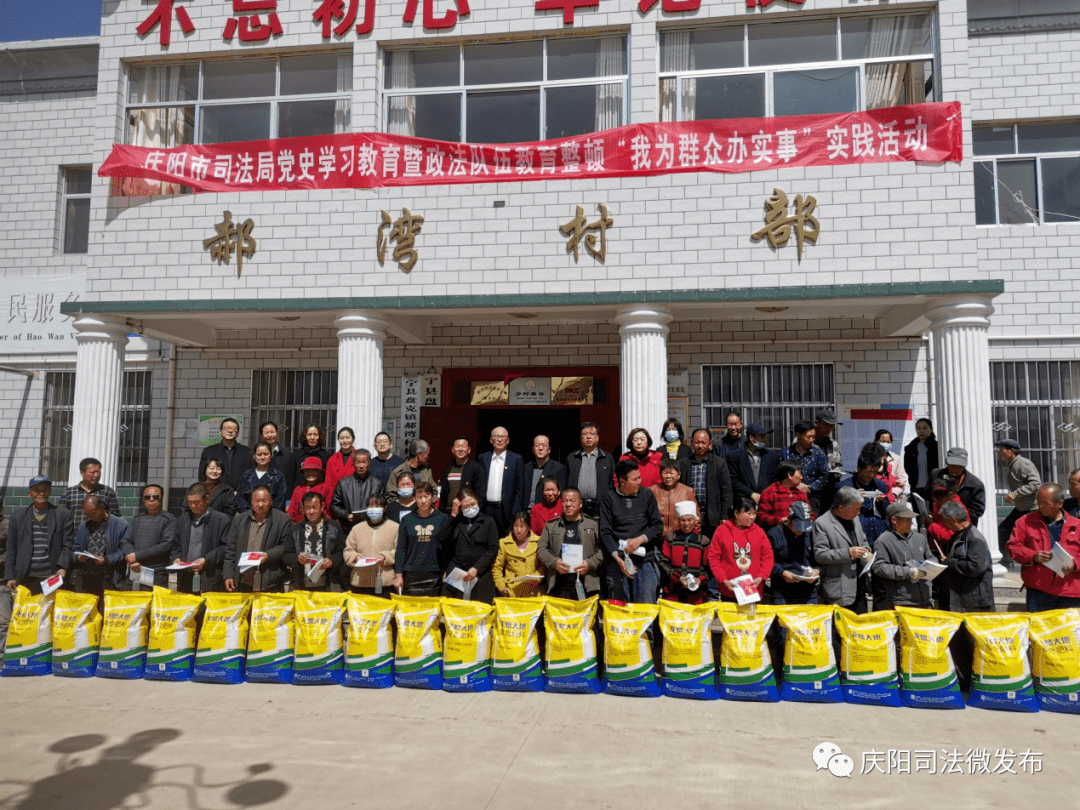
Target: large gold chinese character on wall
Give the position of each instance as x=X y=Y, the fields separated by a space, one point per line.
x=578 y=227
x=231 y=239
x=779 y=225
x=403 y=233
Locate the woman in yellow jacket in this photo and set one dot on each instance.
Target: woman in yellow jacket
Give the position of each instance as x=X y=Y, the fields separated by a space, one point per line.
x=517 y=558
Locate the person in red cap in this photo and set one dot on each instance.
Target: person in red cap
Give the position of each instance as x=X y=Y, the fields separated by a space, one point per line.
x=313 y=481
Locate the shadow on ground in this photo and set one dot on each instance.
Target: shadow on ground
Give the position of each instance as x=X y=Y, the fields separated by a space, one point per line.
x=85 y=779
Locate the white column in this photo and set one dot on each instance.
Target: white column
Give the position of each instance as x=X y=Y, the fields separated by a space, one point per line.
x=961 y=380
x=99 y=375
x=360 y=374
x=643 y=382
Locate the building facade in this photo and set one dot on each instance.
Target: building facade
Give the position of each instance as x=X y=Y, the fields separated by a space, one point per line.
x=949 y=289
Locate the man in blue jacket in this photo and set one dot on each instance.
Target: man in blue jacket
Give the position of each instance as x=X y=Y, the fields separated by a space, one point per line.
x=98 y=554
x=504 y=472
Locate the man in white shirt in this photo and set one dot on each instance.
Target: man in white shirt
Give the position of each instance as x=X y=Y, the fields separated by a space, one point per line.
x=504 y=472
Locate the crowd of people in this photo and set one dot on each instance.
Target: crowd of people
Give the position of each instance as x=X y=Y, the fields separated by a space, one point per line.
x=687 y=518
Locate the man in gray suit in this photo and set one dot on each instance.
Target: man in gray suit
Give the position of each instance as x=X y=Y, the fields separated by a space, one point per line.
x=841 y=551
x=570 y=529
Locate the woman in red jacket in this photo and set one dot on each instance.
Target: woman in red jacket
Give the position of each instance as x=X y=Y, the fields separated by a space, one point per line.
x=778 y=496
x=740 y=547
x=340 y=464
x=638 y=443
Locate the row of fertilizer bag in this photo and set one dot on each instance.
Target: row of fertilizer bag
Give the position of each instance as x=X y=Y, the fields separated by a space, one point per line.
x=298 y=637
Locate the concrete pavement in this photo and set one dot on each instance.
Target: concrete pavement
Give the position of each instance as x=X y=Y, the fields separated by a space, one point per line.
x=96 y=744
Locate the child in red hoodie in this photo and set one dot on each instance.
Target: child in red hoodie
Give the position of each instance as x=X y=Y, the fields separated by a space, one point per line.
x=739 y=546
x=778 y=497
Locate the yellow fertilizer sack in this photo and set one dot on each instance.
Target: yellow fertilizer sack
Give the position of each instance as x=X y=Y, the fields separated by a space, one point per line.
x=320 y=655
x=868 y=657
x=124 y=632
x=171 y=653
x=271 y=638
x=516 y=666
x=467 y=646
x=810 y=672
x=746 y=669
x=689 y=669
x=1000 y=673
x=76 y=634
x=927 y=672
x=418 y=654
x=570 y=649
x=369 y=648
x=223 y=638
x=29 y=641
x=1055 y=659
x=628 y=661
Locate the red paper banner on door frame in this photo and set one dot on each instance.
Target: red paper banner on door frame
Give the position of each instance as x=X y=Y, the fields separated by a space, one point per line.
x=929 y=133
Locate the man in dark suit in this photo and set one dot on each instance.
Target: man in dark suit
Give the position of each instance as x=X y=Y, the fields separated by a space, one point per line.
x=262 y=530
x=707 y=474
x=40 y=540
x=754 y=467
x=504 y=472
x=590 y=470
x=202 y=535
x=542 y=466
x=461 y=473
x=233 y=457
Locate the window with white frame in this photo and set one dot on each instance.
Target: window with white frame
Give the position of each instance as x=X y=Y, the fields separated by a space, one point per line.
x=293 y=399
x=238 y=99
x=506 y=92
x=75 y=208
x=775 y=396
x=1032 y=175
x=1037 y=403
x=797 y=67
x=133 y=459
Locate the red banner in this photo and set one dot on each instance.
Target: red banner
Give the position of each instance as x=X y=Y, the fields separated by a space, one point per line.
x=918 y=132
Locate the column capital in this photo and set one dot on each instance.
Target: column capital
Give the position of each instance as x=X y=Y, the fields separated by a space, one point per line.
x=360 y=323
x=636 y=318
x=966 y=312
x=92 y=328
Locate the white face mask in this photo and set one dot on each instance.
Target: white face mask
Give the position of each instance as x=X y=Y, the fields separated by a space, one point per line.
x=886 y=445
x=671 y=435
x=758 y=445
x=405 y=492
x=471 y=512
x=374 y=514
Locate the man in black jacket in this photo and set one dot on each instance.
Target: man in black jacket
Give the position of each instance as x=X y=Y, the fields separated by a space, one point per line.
x=318 y=544
x=754 y=466
x=202 y=535
x=461 y=473
x=630 y=520
x=260 y=530
x=972 y=491
x=348 y=504
x=707 y=474
x=233 y=457
x=153 y=533
x=542 y=466
x=590 y=470
x=40 y=540
x=970 y=578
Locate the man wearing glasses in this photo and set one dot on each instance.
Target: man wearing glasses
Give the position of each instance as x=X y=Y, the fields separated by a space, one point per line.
x=153 y=532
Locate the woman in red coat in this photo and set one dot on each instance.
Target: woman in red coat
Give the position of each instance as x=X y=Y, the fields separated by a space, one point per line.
x=739 y=546
x=777 y=498
x=340 y=464
x=638 y=443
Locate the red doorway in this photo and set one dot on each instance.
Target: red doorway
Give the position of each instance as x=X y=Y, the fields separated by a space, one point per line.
x=457 y=417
